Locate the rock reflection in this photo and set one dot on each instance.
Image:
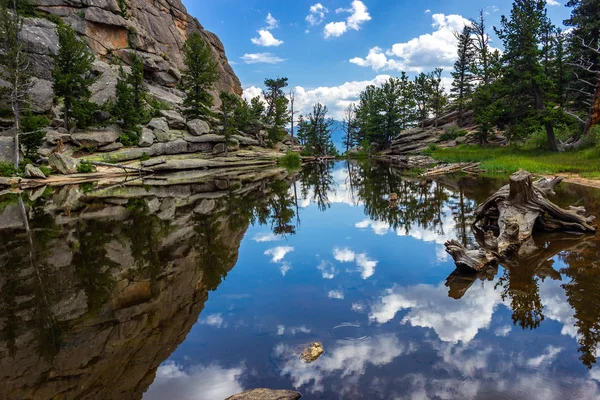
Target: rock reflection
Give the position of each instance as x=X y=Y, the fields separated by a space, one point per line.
x=97 y=289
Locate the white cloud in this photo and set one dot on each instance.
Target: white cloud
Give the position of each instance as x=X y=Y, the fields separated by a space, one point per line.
x=278 y=253
x=272 y=23
x=266 y=39
x=503 y=331
x=347 y=360
x=327 y=270
x=427 y=11
x=265 y=236
x=211 y=382
x=336 y=294
x=552 y=3
x=343 y=255
x=426 y=52
x=546 y=358
x=285 y=267
x=430 y=307
x=250 y=93
x=367 y=265
x=213 y=320
x=317 y=14
x=292 y=330
x=261 y=58
x=379 y=227
x=358 y=16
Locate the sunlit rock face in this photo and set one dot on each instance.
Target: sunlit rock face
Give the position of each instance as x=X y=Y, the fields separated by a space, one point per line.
x=97 y=289
x=156 y=31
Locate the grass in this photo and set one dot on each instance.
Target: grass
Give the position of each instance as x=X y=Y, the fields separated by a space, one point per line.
x=291 y=160
x=506 y=160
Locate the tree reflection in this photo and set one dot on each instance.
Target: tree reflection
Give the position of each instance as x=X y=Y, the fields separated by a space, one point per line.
x=316 y=179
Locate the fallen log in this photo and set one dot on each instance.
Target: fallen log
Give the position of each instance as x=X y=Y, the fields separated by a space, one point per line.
x=469 y=168
x=506 y=221
x=121 y=166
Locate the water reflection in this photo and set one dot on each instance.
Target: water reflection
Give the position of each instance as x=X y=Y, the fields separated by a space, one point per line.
x=104 y=292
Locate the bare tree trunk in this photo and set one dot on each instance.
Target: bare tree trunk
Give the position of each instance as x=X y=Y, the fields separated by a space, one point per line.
x=17 y=114
x=540 y=106
x=594 y=118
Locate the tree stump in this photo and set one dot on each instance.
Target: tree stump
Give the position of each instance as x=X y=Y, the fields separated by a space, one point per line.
x=514 y=212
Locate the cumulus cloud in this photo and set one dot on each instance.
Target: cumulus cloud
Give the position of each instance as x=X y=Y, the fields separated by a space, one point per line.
x=336 y=294
x=317 y=14
x=428 y=51
x=546 y=358
x=266 y=236
x=210 y=382
x=552 y=3
x=261 y=58
x=503 y=331
x=359 y=14
x=215 y=320
x=379 y=227
x=428 y=11
x=363 y=262
x=278 y=253
x=327 y=270
x=346 y=360
x=266 y=39
x=285 y=267
x=430 y=307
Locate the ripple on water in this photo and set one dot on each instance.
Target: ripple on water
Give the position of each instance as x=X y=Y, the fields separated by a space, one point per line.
x=350 y=332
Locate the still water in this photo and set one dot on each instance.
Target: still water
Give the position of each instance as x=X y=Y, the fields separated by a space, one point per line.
x=203 y=288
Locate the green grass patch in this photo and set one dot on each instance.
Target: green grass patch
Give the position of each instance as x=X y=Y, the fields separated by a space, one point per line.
x=506 y=160
x=291 y=160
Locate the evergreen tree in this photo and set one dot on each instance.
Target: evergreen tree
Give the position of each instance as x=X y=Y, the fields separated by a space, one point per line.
x=422 y=85
x=316 y=131
x=407 y=106
x=198 y=78
x=14 y=63
x=481 y=43
x=463 y=79
x=274 y=91
x=368 y=116
x=131 y=95
x=438 y=99
x=390 y=95
x=242 y=115
x=72 y=75
x=229 y=103
x=524 y=79
x=257 y=108
x=278 y=120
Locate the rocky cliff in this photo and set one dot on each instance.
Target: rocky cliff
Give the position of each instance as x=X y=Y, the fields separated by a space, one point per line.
x=105 y=285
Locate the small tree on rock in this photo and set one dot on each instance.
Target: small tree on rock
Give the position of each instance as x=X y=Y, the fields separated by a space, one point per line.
x=229 y=103
x=198 y=78
x=129 y=106
x=72 y=74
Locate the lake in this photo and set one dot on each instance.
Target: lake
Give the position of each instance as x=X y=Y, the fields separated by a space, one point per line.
x=203 y=287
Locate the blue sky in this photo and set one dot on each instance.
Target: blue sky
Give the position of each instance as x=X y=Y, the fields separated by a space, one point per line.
x=332 y=49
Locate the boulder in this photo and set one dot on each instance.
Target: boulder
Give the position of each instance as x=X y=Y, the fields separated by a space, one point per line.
x=53 y=136
x=41 y=42
x=146 y=138
x=111 y=147
x=208 y=138
x=159 y=124
x=104 y=88
x=205 y=207
x=41 y=95
x=174 y=119
x=97 y=137
x=246 y=141
x=63 y=163
x=218 y=148
x=178 y=146
x=266 y=394
x=461 y=140
x=198 y=127
x=34 y=172
x=163 y=136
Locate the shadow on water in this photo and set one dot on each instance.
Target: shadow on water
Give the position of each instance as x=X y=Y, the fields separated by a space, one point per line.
x=98 y=288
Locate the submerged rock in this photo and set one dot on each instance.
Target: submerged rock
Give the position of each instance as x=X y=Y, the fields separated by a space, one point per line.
x=266 y=394
x=312 y=353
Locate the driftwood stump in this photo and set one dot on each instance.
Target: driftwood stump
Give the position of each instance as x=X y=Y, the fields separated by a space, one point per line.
x=506 y=221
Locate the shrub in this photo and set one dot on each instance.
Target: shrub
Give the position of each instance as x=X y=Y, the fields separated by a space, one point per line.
x=291 y=160
x=46 y=170
x=7 y=169
x=130 y=138
x=452 y=132
x=432 y=147
x=592 y=139
x=85 y=167
x=144 y=157
x=33 y=133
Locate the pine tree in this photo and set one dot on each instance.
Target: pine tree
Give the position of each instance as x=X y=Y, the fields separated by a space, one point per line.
x=407 y=106
x=278 y=120
x=316 y=131
x=481 y=42
x=273 y=91
x=349 y=127
x=72 y=74
x=198 y=78
x=131 y=95
x=524 y=78
x=229 y=103
x=463 y=79
x=15 y=65
x=438 y=99
x=422 y=85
